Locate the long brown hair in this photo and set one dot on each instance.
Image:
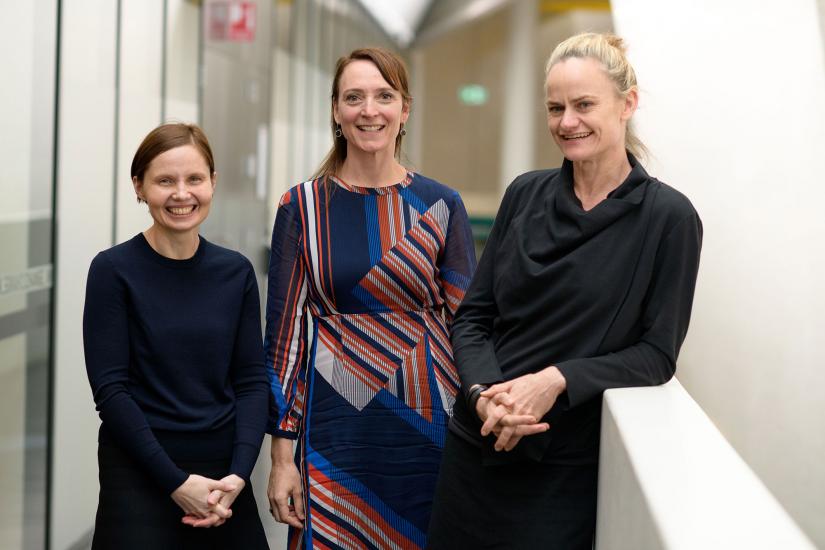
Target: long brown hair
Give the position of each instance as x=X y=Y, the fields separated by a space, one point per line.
x=393 y=70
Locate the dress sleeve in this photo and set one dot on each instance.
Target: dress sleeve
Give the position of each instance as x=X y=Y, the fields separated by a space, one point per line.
x=458 y=261
x=665 y=317
x=107 y=347
x=285 y=340
x=249 y=382
x=475 y=356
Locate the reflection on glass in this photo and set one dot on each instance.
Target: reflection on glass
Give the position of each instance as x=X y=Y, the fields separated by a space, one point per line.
x=27 y=49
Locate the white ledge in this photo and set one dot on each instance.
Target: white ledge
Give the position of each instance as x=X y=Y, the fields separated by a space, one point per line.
x=668 y=479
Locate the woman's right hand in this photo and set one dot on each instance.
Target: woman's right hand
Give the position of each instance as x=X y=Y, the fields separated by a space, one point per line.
x=285 y=486
x=192 y=497
x=508 y=428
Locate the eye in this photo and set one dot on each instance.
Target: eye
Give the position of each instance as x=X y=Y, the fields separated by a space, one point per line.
x=351 y=98
x=585 y=105
x=555 y=109
x=195 y=179
x=387 y=96
x=166 y=181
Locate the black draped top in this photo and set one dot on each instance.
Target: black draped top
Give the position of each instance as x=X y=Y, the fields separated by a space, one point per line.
x=604 y=295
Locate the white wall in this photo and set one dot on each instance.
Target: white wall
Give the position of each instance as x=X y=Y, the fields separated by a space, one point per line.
x=139 y=104
x=84 y=227
x=733 y=108
x=182 y=49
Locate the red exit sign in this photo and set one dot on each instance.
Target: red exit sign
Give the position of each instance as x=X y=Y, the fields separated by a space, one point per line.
x=231 y=20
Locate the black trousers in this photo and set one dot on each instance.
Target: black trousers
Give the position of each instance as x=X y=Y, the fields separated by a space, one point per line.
x=134 y=513
x=514 y=506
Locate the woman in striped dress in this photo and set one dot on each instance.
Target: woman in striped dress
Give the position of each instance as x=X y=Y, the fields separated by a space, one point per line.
x=369 y=263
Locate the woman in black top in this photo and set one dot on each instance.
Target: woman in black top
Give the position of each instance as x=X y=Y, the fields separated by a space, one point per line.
x=172 y=335
x=586 y=284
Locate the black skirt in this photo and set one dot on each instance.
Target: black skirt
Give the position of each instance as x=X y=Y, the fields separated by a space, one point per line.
x=133 y=512
x=511 y=506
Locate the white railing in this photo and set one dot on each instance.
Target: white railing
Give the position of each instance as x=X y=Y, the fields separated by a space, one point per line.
x=668 y=479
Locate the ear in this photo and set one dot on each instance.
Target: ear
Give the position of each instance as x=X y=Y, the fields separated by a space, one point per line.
x=214 y=179
x=406 y=106
x=138 y=185
x=335 y=112
x=631 y=102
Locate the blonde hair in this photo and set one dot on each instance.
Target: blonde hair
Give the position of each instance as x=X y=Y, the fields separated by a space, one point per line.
x=609 y=50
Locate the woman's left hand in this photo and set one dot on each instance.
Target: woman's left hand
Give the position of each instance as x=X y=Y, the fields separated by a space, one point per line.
x=530 y=394
x=218 y=498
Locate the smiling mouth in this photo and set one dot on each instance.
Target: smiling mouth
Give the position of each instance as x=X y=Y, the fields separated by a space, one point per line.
x=580 y=135
x=371 y=127
x=181 y=210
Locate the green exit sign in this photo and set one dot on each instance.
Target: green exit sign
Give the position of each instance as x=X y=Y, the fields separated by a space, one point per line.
x=473 y=94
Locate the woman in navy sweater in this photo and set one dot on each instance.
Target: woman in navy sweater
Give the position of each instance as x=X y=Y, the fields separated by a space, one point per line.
x=172 y=336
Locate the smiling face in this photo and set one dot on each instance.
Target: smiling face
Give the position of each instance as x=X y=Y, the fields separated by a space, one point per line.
x=586 y=115
x=178 y=188
x=368 y=109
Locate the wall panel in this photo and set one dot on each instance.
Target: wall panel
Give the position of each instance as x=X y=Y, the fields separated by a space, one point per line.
x=84 y=227
x=733 y=104
x=139 y=103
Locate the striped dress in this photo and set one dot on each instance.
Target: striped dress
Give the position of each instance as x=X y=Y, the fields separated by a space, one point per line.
x=363 y=285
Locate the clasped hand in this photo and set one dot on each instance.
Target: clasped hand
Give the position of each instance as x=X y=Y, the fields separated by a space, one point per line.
x=512 y=409
x=207 y=502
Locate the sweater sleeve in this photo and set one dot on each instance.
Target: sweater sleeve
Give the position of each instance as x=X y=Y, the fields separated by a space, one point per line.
x=107 y=347
x=285 y=339
x=475 y=356
x=249 y=382
x=665 y=317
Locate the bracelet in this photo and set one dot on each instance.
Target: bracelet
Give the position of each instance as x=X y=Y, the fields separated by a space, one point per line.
x=474 y=394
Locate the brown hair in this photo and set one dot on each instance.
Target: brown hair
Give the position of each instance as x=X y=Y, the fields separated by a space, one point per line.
x=166 y=137
x=609 y=50
x=393 y=70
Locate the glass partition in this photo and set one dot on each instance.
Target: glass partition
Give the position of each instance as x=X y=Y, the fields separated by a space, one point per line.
x=27 y=109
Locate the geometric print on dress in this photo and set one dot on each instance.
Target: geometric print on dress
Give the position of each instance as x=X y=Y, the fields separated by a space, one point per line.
x=368 y=352
x=387 y=349
x=358 y=353
x=346 y=514
x=385 y=223
x=403 y=278
x=411 y=383
x=350 y=361
x=441 y=353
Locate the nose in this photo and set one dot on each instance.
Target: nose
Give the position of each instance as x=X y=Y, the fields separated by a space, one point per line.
x=569 y=119
x=181 y=191
x=368 y=108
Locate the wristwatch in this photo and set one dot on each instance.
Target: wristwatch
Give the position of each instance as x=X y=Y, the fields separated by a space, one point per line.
x=474 y=394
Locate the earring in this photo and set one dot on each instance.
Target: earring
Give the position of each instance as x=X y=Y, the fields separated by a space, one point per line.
x=338 y=132
x=403 y=131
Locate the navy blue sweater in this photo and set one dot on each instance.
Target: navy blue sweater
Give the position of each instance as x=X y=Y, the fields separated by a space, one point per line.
x=174 y=347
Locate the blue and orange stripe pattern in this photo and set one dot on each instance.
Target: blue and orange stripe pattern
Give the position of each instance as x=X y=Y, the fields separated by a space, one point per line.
x=363 y=286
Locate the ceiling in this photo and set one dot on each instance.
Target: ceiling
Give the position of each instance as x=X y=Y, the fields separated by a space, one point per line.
x=413 y=22
x=399 y=18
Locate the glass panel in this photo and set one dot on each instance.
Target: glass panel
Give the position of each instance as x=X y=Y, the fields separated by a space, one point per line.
x=235 y=116
x=27 y=49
